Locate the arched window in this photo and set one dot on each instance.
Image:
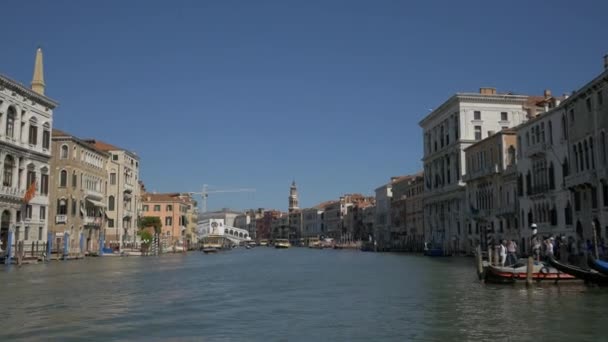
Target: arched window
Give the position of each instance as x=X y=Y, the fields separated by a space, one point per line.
x=74 y=179
x=528 y=184
x=33 y=132
x=63 y=178
x=111 y=203
x=591 y=152
x=9 y=165
x=586 y=147
x=530 y=218
x=64 y=152
x=550 y=133
x=551 y=176
x=603 y=150
x=10 y=122
x=568 y=213
x=511 y=152
x=581 y=166
x=564 y=127
x=520 y=186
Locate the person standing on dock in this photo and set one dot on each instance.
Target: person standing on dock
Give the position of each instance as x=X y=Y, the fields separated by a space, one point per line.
x=535 y=243
x=511 y=253
x=502 y=253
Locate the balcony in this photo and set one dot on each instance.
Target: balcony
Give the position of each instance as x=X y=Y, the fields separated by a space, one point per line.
x=11 y=193
x=538 y=191
x=482 y=172
x=585 y=178
x=93 y=194
x=505 y=210
x=538 y=149
x=61 y=219
x=91 y=221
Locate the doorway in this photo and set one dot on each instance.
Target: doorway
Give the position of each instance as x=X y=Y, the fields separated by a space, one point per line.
x=5 y=223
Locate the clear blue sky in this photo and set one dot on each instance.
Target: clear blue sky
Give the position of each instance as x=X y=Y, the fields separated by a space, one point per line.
x=257 y=93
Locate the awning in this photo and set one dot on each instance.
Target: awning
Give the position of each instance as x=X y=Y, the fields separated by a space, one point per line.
x=96 y=203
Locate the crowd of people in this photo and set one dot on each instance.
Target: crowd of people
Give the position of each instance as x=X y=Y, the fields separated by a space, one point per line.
x=562 y=248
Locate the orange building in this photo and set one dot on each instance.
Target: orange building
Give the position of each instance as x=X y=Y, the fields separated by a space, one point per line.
x=172 y=209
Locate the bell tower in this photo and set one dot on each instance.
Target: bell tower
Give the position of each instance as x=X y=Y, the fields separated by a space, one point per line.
x=38 y=79
x=293 y=197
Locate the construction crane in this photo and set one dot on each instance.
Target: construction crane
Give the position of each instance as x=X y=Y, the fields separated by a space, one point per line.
x=205 y=193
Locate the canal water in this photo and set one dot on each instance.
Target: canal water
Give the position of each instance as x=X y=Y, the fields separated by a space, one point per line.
x=298 y=294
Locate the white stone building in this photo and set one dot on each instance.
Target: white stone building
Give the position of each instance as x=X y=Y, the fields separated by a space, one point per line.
x=26 y=120
x=542 y=166
x=456 y=124
x=586 y=121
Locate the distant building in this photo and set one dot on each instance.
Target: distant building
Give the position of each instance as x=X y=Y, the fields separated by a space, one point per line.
x=225 y=214
x=312 y=221
x=263 y=225
x=406 y=212
x=172 y=210
x=382 y=222
x=491 y=178
x=26 y=120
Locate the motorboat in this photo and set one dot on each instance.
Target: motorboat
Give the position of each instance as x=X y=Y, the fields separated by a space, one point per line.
x=282 y=243
x=541 y=272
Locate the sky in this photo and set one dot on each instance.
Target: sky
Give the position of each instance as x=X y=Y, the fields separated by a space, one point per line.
x=255 y=94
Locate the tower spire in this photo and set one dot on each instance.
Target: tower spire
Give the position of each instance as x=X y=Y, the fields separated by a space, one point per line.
x=38 y=79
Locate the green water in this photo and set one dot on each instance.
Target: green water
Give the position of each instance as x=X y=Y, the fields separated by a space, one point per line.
x=298 y=294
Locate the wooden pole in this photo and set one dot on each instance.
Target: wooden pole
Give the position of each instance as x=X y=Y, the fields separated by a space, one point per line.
x=479 y=262
x=529 y=270
x=490 y=255
x=595 y=251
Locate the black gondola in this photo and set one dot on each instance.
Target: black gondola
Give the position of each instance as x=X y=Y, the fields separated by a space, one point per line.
x=590 y=276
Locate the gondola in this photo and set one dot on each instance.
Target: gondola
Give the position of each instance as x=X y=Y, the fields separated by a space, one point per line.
x=590 y=276
x=599 y=265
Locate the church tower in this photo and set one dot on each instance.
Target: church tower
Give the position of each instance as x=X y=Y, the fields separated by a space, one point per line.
x=293 y=197
x=38 y=79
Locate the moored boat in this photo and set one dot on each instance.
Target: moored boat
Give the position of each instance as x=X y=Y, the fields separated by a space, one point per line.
x=541 y=272
x=282 y=243
x=433 y=251
x=599 y=265
x=264 y=243
x=591 y=276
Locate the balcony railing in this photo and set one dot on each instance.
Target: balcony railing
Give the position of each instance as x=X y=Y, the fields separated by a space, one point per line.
x=588 y=177
x=94 y=194
x=92 y=221
x=484 y=171
x=61 y=219
x=536 y=149
x=11 y=192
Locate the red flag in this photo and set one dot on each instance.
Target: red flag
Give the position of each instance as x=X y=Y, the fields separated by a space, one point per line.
x=30 y=193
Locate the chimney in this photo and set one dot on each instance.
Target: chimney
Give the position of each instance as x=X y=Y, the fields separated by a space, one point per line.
x=487 y=91
x=547 y=93
x=606 y=61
